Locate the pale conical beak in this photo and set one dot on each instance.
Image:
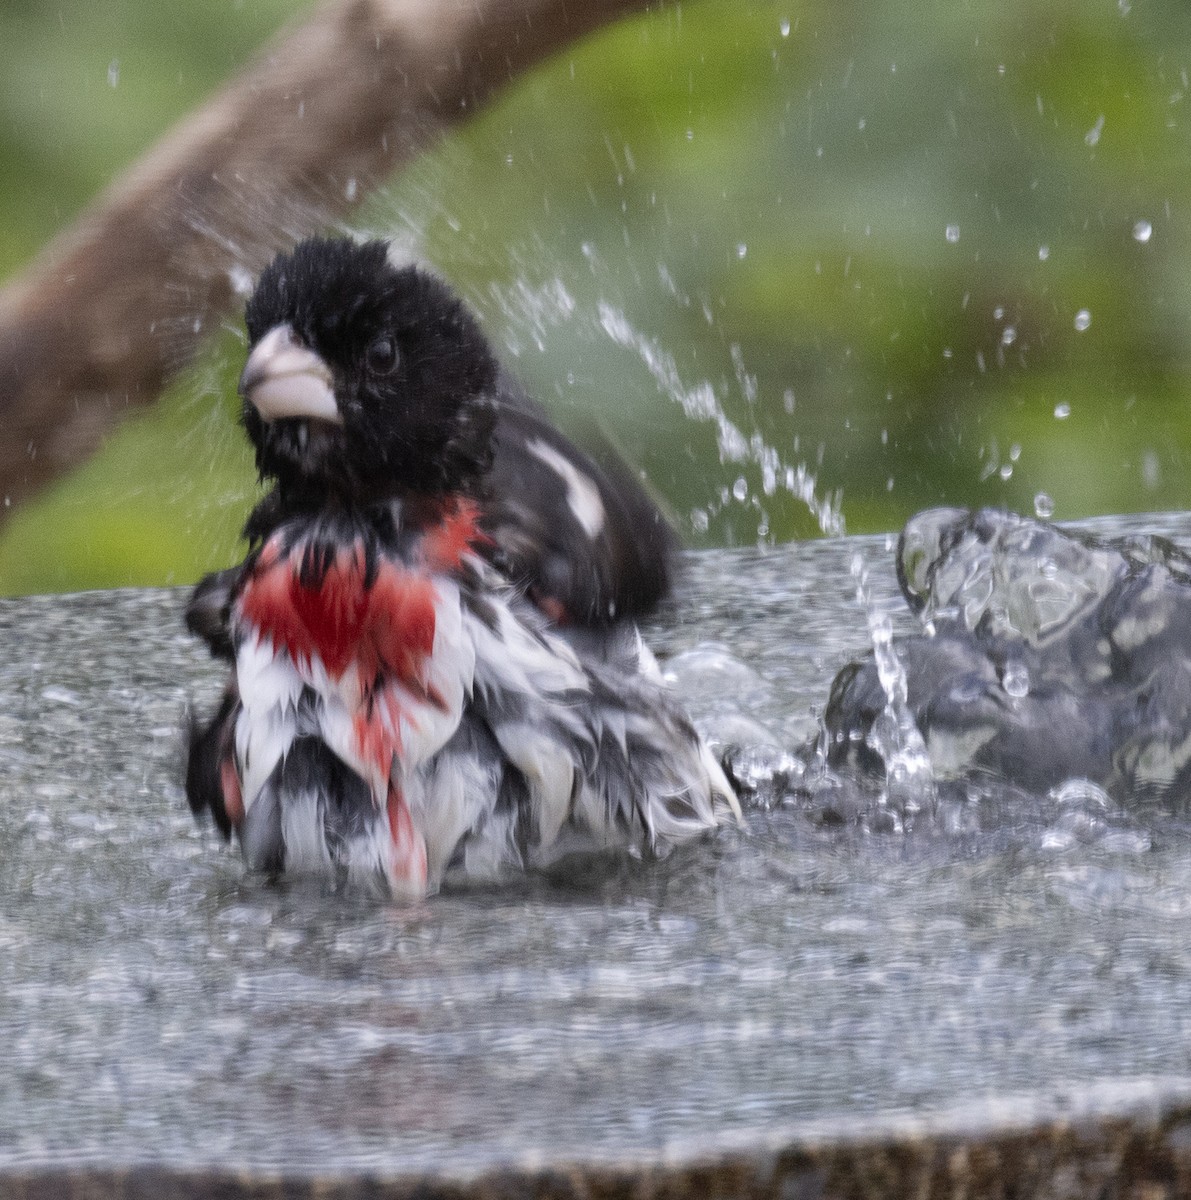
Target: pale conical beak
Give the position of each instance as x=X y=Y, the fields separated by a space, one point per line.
x=283 y=378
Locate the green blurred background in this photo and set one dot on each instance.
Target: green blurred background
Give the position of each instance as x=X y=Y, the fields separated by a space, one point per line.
x=927 y=252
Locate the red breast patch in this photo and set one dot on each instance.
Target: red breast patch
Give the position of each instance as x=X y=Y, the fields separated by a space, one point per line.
x=386 y=627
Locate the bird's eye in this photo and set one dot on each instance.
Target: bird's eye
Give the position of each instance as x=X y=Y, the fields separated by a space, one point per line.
x=382 y=355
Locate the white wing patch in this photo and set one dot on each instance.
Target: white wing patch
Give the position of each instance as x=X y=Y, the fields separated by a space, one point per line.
x=583 y=497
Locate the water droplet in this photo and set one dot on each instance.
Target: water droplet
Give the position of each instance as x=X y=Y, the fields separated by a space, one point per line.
x=1016 y=680
x=1044 y=506
x=998 y=312
x=1062 y=411
x=1014 y=452
x=690 y=135
x=1008 y=335
x=350 y=189
x=699 y=520
x=951 y=233
x=1043 y=253
x=740 y=489
x=1142 y=232
x=1006 y=471
x=741 y=250
x=1151 y=470
x=241 y=279
x=1083 y=319
x=1093 y=135
x=784 y=27
x=113 y=72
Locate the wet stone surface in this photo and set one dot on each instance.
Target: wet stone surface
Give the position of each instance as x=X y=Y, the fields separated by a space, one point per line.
x=835 y=1001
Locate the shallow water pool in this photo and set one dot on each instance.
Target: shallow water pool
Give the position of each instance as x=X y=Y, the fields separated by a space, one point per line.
x=811 y=972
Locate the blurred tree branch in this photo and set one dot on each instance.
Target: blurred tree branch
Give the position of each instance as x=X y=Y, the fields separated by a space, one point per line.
x=118 y=304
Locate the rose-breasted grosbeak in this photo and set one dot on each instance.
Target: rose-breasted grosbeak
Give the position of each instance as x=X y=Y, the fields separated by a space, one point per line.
x=407 y=701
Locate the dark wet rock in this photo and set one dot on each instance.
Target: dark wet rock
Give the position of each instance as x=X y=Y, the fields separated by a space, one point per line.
x=1045 y=655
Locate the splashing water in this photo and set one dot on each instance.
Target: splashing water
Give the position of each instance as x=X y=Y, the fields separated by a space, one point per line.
x=699 y=403
x=909 y=780
x=531 y=310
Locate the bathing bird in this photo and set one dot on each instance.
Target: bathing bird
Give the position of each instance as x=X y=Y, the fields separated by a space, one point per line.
x=434 y=671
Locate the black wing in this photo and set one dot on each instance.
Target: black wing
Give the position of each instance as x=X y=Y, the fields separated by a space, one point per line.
x=578 y=533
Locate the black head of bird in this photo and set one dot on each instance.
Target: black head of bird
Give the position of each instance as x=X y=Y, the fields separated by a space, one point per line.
x=364 y=381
